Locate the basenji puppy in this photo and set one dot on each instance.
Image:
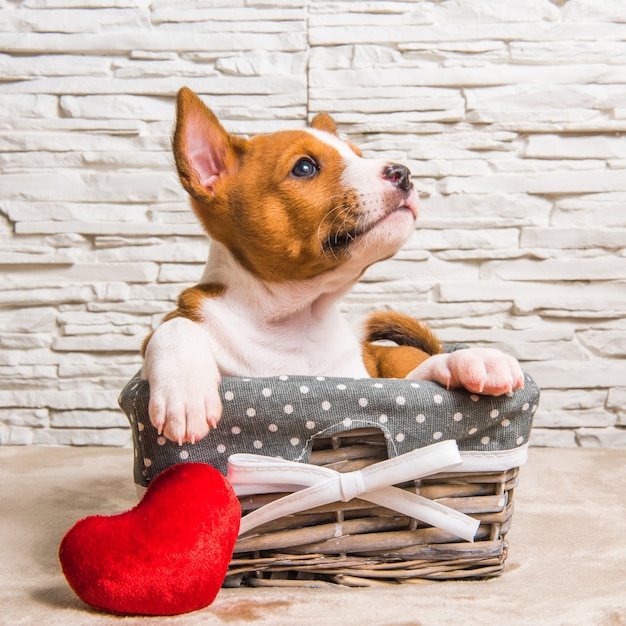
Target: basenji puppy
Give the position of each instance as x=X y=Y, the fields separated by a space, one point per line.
x=295 y=218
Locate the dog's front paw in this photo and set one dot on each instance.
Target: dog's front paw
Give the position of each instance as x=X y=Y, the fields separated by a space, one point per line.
x=184 y=408
x=184 y=381
x=479 y=370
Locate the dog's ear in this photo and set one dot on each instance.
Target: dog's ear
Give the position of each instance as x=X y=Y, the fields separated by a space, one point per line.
x=323 y=121
x=203 y=150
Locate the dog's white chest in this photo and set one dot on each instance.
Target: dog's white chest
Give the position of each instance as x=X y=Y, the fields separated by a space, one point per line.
x=242 y=346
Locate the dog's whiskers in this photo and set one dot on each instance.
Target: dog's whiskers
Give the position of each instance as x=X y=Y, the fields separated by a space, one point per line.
x=341 y=235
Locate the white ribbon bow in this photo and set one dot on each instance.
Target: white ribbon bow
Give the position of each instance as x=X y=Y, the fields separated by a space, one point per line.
x=315 y=486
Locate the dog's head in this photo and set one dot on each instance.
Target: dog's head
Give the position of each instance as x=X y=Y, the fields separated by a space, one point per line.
x=294 y=204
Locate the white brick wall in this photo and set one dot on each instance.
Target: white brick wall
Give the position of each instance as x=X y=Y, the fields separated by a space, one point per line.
x=510 y=115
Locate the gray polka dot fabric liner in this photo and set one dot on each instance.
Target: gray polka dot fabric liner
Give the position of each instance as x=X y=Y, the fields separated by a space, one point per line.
x=280 y=416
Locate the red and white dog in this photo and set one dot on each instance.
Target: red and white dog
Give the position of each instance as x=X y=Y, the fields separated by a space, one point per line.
x=295 y=218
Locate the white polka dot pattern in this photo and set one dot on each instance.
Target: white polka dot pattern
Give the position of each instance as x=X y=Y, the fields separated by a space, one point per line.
x=280 y=416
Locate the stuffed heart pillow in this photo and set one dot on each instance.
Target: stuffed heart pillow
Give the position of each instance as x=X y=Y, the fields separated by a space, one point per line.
x=167 y=555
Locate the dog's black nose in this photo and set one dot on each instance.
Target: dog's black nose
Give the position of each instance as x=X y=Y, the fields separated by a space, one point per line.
x=399 y=175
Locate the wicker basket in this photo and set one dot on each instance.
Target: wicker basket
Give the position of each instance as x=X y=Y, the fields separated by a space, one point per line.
x=358 y=543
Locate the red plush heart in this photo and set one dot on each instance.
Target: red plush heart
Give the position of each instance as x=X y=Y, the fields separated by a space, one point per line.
x=167 y=555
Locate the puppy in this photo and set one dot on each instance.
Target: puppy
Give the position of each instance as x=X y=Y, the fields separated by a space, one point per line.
x=294 y=218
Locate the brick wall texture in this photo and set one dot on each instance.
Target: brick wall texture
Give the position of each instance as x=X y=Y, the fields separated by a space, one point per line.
x=510 y=115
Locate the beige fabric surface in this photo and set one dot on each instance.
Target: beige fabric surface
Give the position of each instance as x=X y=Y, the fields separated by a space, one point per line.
x=567 y=560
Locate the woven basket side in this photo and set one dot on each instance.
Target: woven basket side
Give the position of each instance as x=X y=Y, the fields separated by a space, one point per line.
x=359 y=544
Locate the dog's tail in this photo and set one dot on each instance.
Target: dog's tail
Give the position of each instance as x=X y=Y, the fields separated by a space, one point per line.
x=402 y=330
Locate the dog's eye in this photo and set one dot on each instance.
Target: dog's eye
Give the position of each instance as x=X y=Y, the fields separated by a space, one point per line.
x=305 y=168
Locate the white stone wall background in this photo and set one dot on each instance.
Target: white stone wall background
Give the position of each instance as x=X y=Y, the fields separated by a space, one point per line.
x=510 y=114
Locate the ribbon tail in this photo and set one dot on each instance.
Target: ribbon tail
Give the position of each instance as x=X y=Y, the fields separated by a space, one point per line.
x=323 y=493
x=425 y=510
